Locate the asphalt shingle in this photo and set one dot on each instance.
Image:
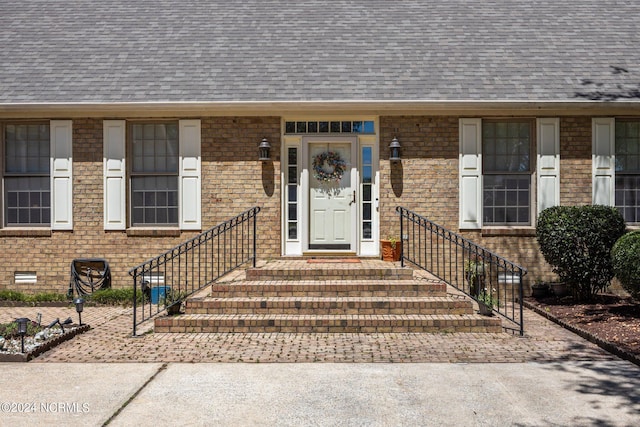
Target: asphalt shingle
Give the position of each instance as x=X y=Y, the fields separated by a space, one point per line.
x=273 y=50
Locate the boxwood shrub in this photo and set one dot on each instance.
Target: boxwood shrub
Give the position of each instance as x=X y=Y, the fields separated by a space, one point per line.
x=577 y=242
x=625 y=256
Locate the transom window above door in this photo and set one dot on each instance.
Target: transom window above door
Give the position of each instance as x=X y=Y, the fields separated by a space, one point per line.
x=330 y=127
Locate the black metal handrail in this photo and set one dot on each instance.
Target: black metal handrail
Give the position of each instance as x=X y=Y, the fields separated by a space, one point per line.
x=468 y=267
x=169 y=278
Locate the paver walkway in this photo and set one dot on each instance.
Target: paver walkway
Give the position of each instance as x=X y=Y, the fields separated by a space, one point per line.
x=110 y=340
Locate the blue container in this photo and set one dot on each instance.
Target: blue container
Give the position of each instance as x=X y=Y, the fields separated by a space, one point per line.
x=158 y=293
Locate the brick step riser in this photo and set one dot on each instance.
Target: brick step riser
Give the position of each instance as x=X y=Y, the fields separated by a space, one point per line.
x=289 y=275
x=328 y=308
x=333 y=312
x=326 y=294
x=351 y=327
x=327 y=290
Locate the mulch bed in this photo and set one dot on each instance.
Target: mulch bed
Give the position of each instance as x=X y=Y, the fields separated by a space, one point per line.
x=611 y=319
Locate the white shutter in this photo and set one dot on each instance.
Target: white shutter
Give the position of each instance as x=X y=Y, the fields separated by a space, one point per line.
x=470 y=173
x=603 y=161
x=61 y=133
x=114 y=137
x=190 y=191
x=548 y=162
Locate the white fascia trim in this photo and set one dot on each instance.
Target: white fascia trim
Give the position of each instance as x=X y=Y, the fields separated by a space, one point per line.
x=133 y=110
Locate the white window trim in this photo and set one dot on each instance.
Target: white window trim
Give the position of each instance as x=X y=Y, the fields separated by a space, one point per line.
x=545 y=184
x=115 y=175
x=61 y=178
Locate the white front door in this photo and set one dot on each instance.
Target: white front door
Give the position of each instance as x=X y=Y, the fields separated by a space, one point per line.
x=332 y=198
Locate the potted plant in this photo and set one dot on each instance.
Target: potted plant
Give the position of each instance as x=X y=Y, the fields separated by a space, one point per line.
x=474 y=272
x=390 y=249
x=539 y=289
x=559 y=289
x=173 y=302
x=486 y=302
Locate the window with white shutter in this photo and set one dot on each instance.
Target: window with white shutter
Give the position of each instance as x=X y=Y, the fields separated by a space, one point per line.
x=37 y=177
x=163 y=174
x=497 y=170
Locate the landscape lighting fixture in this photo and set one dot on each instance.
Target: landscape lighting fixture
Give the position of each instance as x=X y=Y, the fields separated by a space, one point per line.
x=79 y=302
x=22 y=329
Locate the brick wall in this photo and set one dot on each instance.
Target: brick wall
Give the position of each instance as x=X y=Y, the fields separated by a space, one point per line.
x=426 y=181
x=233 y=180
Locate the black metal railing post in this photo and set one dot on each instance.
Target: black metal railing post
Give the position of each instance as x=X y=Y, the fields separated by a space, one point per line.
x=135 y=299
x=172 y=276
x=483 y=275
x=401 y=243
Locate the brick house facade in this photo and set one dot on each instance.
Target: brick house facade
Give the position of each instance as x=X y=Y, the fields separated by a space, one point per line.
x=426 y=181
x=224 y=75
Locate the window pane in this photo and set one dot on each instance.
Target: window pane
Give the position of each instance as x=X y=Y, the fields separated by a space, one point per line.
x=506 y=146
x=366 y=211
x=155 y=149
x=366 y=156
x=367 y=174
x=293 y=230
x=290 y=127
x=627 y=196
x=366 y=230
x=154 y=200
x=368 y=127
x=366 y=193
x=293 y=156
x=506 y=199
x=627 y=146
x=293 y=175
x=27 y=149
x=293 y=193
x=27 y=200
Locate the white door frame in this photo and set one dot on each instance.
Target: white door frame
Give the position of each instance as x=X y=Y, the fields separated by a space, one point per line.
x=297 y=243
x=305 y=220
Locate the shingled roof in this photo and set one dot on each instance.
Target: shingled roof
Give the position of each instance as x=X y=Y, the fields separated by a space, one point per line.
x=118 y=51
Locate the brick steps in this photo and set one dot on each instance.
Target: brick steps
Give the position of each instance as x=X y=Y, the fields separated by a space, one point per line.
x=330 y=272
x=196 y=323
x=301 y=297
x=328 y=305
x=317 y=288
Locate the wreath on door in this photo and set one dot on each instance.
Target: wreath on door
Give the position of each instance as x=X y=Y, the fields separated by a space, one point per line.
x=334 y=161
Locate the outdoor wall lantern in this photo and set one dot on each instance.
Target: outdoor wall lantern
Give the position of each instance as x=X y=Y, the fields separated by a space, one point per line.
x=79 y=302
x=22 y=329
x=394 y=149
x=264 y=149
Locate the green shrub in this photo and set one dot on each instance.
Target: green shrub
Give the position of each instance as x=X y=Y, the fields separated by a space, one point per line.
x=7 y=295
x=577 y=242
x=10 y=330
x=113 y=296
x=625 y=257
x=46 y=297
